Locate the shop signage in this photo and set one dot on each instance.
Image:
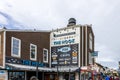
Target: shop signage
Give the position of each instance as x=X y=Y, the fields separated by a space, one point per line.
x=3 y=75
x=64 y=49
x=64 y=55
x=2 y=72
x=94 y=54
x=23 y=62
x=63 y=42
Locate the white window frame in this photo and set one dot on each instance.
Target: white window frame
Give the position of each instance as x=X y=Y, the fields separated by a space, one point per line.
x=12 y=54
x=46 y=54
x=35 y=52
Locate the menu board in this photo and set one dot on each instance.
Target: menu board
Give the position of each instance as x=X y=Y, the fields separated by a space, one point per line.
x=64 y=55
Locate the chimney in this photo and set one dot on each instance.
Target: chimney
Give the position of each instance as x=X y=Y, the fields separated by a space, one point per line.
x=71 y=22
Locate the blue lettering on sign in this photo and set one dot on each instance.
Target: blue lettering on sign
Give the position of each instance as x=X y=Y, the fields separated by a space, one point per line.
x=64 y=49
x=64 y=42
x=40 y=64
x=57 y=42
x=26 y=62
x=68 y=41
x=34 y=63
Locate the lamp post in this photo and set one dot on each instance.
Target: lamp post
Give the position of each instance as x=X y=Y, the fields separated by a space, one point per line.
x=37 y=69
x=57 y=69
x=79 y=73
x=38 y=61
x=69 y=73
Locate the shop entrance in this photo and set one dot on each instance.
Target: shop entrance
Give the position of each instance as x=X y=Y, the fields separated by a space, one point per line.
x=31 y=75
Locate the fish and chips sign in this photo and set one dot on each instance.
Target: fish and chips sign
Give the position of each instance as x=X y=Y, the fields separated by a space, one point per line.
x=64 y=47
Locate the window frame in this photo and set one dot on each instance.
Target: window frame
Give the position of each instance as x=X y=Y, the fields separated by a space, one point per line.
x=19 y=47
x=46 y=54
x=35 y=52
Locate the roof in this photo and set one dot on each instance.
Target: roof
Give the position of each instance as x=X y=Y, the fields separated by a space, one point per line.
x=24 y=30
x=79 y=25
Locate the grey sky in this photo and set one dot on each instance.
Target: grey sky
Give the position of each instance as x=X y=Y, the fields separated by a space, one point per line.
x=53 y=14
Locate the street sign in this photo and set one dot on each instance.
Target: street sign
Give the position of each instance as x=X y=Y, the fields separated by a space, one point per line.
x=94 y=54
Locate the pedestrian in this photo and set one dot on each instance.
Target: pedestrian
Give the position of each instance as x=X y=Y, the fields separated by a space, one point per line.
x=107 y=78
x=90 y=78
x=117 y=78
x=111 y=78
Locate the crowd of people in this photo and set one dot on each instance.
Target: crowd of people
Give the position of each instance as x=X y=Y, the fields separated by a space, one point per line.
x=112 y=78
x=106 y=78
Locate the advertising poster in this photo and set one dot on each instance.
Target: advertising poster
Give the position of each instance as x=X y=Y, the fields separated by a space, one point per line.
x=3 y=75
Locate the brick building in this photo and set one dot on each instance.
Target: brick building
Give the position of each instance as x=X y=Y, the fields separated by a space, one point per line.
x=71 y=49
x=22 y=50
x=49 y=55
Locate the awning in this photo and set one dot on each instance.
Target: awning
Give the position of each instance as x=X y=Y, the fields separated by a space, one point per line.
x=46 y=69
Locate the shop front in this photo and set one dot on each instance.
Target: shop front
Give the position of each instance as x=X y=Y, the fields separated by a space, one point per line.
x=86 y=73
x=19 y=69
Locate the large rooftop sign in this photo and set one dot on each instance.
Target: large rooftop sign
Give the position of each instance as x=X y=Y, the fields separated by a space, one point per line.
x=70 y=35
x=65 y=46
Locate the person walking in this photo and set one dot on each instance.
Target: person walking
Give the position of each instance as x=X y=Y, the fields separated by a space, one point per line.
x=107 y=78
x=111 y=78
x=117 y=78
x=90 y=78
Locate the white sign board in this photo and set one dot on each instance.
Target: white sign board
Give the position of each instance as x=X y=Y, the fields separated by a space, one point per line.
x=65 y=36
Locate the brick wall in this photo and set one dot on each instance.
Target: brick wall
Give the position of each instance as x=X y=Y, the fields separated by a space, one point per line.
x=41 y=39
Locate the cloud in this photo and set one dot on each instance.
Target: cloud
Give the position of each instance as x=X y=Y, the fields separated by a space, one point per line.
x=3 y=20
x=7 y=21
x=52 y=14
x=107 y=56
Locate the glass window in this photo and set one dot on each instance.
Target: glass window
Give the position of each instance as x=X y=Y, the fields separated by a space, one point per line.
x=45 y=55
x=90 y=58
x=90 y=41
x=16 y=45
x=33 y=51
x=16 y=75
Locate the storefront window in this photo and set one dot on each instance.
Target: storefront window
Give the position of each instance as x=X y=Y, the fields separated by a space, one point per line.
x=16 y=76
x=66 y=76
x=72 y=76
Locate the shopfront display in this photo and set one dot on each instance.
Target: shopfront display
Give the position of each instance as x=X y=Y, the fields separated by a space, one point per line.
x=16 y=75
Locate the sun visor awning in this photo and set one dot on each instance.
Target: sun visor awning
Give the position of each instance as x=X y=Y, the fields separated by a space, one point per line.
x=10 y=66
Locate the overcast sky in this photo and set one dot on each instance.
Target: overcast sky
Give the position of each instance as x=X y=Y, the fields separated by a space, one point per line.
x=104 y=15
